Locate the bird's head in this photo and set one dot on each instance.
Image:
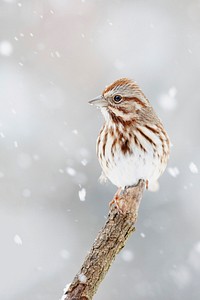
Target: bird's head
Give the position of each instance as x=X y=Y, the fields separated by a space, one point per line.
x=121 y=100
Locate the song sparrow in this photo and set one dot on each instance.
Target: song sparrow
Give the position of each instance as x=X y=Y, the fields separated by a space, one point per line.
x=132 y=143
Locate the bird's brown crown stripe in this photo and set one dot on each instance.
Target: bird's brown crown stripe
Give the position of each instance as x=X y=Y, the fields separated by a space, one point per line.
x=120 y=82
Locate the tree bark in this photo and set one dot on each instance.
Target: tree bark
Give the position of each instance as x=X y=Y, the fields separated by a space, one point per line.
x=110 y=240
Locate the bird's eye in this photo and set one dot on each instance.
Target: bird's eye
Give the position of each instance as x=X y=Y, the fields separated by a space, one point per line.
x=117 y=98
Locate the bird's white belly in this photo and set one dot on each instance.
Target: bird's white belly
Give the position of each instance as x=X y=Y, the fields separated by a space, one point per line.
x=127 y=170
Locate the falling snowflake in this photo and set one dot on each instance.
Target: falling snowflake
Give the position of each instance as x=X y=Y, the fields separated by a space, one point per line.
x=15 y=144
x=57 y=54
x=110 y=23
x=6 y=48
x=193 y=168
x=194 y=257
x=174 y=172
x=1 y=175
x=64 y=254
x=17 y=240
x=75 y=131
x=168 y=101
x=127 y=255
x=2 y=135
x=36 y=157
x=13 y=111
x=84 y=162
x=82 y=194
x=71 y=171
x=143 y=235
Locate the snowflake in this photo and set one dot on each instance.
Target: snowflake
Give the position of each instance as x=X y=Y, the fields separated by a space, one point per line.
x=193 y=168
x=82 y=194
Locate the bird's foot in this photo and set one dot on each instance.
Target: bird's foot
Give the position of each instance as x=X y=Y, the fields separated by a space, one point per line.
x=116 y=201
x=116 y=197
x=121 y=206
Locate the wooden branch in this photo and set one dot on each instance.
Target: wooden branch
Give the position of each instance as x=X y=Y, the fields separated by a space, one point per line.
x=110 y=240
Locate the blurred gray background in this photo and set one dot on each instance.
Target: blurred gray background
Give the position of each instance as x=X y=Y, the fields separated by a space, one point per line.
x=55 y=55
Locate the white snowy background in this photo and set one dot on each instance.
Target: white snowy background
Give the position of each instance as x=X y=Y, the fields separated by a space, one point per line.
x=55 y=55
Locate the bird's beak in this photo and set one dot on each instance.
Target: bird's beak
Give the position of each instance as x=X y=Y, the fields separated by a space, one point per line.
x=99 y=101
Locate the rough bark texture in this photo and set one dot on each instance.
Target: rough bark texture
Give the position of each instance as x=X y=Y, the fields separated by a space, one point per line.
x=110 y=240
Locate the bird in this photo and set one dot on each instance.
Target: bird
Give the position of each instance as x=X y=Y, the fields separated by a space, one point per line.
x=132 y=144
